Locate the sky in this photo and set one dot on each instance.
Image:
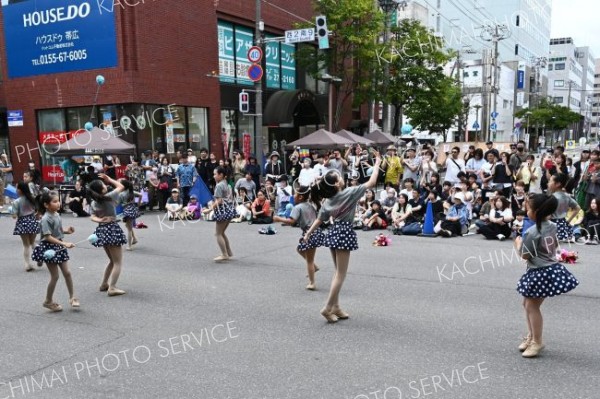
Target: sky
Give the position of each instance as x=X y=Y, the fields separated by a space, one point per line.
x=579 y=19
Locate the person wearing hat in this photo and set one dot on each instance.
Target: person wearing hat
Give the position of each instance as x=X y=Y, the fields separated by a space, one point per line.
x=174 y=205
x=393 y=168
x=274 y=169
x=456 y=220
x=191 y=157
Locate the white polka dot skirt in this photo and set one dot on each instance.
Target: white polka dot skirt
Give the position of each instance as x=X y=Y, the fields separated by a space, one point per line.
x=564 y=229
x=316 y=240
x=27 y=225
x=130 y=211
x=546 y=282
x=224 y=213
x=60 y=253
x=109 y=235
x=341 y=235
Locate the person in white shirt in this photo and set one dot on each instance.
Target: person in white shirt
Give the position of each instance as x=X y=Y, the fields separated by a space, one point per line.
x=97 y=164
x=454 y=165
x=475 y=164
x=319 y=167
x=307 y=174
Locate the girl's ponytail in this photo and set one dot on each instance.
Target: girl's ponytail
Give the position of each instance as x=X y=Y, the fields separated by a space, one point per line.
x=543 y=205
x=324 y=188
x=24 y=188
x=95 y=190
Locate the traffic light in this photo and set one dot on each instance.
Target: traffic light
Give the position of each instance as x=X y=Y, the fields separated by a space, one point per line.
x=244 y=102
x=322 y=32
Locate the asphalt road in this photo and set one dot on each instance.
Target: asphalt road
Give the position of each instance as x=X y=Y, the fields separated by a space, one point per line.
x=190 y=328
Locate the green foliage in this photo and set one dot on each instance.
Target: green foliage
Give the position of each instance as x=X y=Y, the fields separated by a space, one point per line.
x=355 y=26
x=416 y=58
x=437 y=108
x=548 y=114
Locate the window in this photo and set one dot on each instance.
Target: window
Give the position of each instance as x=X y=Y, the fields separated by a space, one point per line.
x=198 y=125
x=77 y=117
x=465 y=74
x=559 y=83
x=558 y=100
x=475 y=74
x=559 y=66
x=550 y=67
x=517 y=21
x=51 y=120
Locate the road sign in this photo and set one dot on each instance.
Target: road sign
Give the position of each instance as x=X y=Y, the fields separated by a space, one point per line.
x=15 y=117
x=255 y=72
x=255 y=54
x=570 y=144
x=476 y=126
x=299 y=35
x=494 y=126
x=494 y=115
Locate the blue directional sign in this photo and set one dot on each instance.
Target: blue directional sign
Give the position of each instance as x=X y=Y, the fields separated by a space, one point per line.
x=494 y=115
x=476 y=125
x=494 y=126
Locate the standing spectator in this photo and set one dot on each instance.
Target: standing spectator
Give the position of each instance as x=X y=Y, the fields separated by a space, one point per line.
x=411 y=166
x=393 y=168
x=581 y=166
x=490 y=147
x=336 y=162
x=135 y=174
x=529 y=174
x=212 y=165
x=428 y=168
x=503 y=175
x=6 y=175
x=203 y=167
x=254 y=169
x=238 y=165
x=454 y=165
x=246 y=183
x=470 y=154
x=295 y=167
x=36 y=175
x=475 y=163
x=166 y=173
x=186 y=177
x=307 y=175
x=593 y=178
x=149 y=165
x=319 y=167
x=274 y=170
x=110 y=169
x=97 y=164
x=552 y=165
x=191 y=158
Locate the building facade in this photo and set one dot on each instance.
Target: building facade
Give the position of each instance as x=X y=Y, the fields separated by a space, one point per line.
x=172 y=75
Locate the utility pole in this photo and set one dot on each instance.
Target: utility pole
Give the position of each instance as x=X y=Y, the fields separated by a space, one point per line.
x=258 y=119
x=485 y=92
x=495 y=33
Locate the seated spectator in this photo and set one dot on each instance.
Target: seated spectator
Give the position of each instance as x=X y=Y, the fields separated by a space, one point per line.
x=284 y=195
x=261 y=210
x=445 y=193
x=517 y=199
x=499 y=218
x=456 y=220
x=517 y=224
x=243 y=206
x=402 y=218
x=193 y=208
x=375 y=218
x=437 y=206
x=418 y=206
x=76 y=200
x=409 y=187
x=433 y=185
x=246 y=182
x=175 y=206
x=388 y=203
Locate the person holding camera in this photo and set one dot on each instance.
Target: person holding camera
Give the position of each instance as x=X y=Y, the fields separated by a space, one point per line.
x=393 y=168
x=336 y=162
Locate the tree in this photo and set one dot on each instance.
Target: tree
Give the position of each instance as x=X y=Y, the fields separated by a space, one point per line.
x=416 y=57
x=548 y=114
x=354 y=49
x=439 y=109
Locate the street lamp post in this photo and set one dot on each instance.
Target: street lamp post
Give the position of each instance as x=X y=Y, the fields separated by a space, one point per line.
x=477 y=108
x=387 y=6
x=333 y=81
x=528 y=114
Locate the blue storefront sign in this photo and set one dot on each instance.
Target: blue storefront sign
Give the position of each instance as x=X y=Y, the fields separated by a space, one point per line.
x=53 y=36
x=15 y=117
x=520 y=79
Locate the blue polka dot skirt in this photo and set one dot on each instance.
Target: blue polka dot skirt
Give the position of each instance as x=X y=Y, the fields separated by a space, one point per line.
x=130 y=211
x=225 y=212
x=316 y=240
x=341 y=235
x=60 y=253
x=564 y=229
x=546 y=282
x=109 y=234
x=27 y=225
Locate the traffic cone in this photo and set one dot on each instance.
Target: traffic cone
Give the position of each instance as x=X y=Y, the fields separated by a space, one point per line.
x=428 y=225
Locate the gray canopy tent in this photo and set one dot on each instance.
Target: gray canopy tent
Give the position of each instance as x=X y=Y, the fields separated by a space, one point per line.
x=321 y=139
x=381 y=138
x=93 y=142
x=355 y=137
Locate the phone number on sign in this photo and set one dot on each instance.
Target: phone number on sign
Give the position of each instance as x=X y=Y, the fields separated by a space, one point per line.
x=63 y=56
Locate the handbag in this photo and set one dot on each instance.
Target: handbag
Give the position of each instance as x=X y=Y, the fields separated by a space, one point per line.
x=163 y=186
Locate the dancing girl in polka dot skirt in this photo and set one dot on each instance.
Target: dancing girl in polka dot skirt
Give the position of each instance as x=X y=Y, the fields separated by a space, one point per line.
x=544 y=276
x=53 y=250
x=339 y=204
x=303 y=215
x=27 y=225
x=109 y=233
